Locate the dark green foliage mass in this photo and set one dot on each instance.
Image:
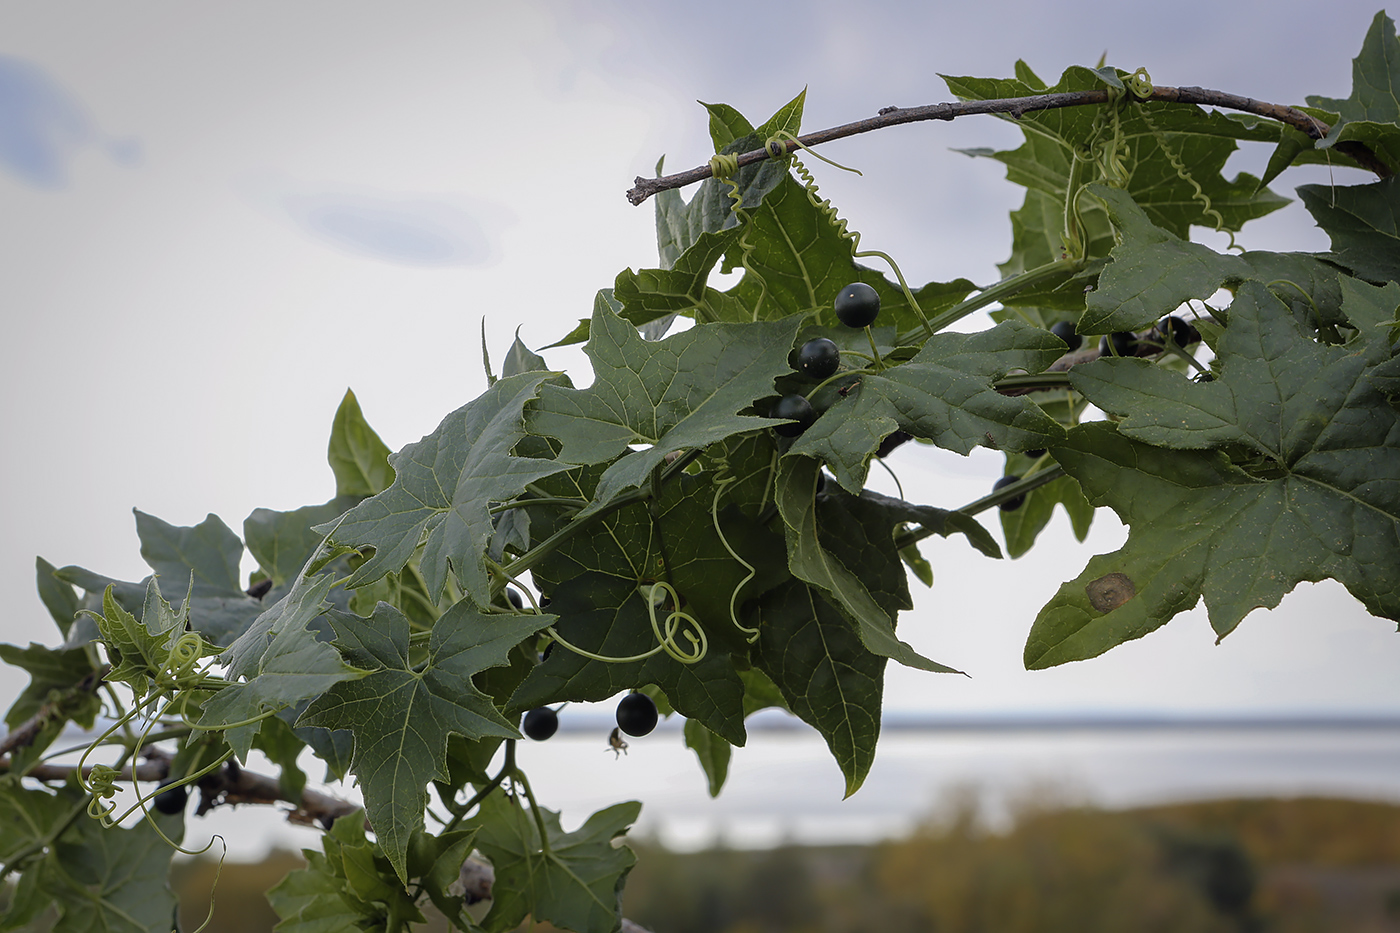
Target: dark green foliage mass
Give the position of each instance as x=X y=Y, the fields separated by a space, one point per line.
x=701 y=560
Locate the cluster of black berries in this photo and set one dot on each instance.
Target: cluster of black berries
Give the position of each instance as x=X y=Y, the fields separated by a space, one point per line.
x=856 y=306
x=636 y=716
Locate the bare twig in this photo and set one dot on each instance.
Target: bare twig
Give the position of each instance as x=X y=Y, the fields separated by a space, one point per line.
x=228 y=786
x=25 y=733
x=1016 y=107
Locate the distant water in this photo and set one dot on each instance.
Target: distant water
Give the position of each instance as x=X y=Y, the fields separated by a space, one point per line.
x=785 y=787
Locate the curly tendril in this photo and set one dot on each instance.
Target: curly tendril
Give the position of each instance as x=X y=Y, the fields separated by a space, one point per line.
x=101 y=784
x=1140 y=83
x=675 y=620
x=723 y=166
x=1181 y=172
x=777 y=149
x=720 y=484
x=184 y=658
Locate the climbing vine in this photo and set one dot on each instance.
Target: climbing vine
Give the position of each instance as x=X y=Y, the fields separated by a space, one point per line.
x=692 y=532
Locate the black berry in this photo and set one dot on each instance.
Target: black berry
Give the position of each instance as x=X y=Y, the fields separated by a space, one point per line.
x=797 y=408
x=1035 y=454
x=819 y=358
x=1010 y=505
x=1181 y=333
x=1066 y=332
x=636 y=714
x=514 y=598
x=540 y=723
x=1120 y=343
x=891 y=441
x=857 y=305
x=173 y=800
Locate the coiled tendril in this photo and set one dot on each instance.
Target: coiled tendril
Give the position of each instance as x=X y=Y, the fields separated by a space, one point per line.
x=777 y=149
x=723 y=166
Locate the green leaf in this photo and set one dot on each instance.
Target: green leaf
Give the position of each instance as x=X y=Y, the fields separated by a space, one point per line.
x=359 y=459
x=1277 y=392
x=826 y=675
x=140 y=650
x=283 y=746
x=108 y=879
x=651 y=294
x=281 y=660
x=444 y=488
x=282 y=541
x=713 y=753
x=318 y=898
x=402 y=712
x=674 y=538
x=1313 y=495
x=336 y=747
x=1152 y=272
x=520 y=359
x=437 y=861
x=1363 y=222
x=55 y=677
x=1023 y=525
x=1200 y=140
x=795 y=492
x=1372 y=311
x=760 y=692
x=679 y=225
x=210 y=550
x=798 y=256
x=946 y=394
x=576 y=884
x=680 y=392
x=606 y=615
x=1371 y=115
x=56 y=594
x=50 y=670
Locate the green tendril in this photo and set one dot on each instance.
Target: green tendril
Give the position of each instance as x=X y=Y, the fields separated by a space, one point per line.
x=699 y=643
x=779 y=143
x=1140 y=83
x=101 y=783
x=1198 y=195
x=665 y=632
x=583 y=652
x=720 y=485
x=723 y=166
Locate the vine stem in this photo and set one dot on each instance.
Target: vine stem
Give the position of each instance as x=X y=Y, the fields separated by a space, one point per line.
x=546 y=547
x=1011 y=285
x=1004 y=494
x=1016 y=107
x=519 y=776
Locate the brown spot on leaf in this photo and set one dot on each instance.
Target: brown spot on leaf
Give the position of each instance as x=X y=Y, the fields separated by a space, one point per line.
x=1110 y=591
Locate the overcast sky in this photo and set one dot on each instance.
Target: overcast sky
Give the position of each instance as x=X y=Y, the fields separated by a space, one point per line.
x=216 y=217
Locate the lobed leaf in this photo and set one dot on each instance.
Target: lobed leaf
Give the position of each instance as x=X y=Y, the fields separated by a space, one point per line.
x=443 y=490
x=681 y=392
x=1315 y=495
x=945 y=393
x=827 y=676
x=402 y=712
x=575 y=884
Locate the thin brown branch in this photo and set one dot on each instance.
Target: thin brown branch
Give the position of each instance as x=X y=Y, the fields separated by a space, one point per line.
x=232 y=785
x=26 y=732
x=1017 y=107
x=228 y=786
